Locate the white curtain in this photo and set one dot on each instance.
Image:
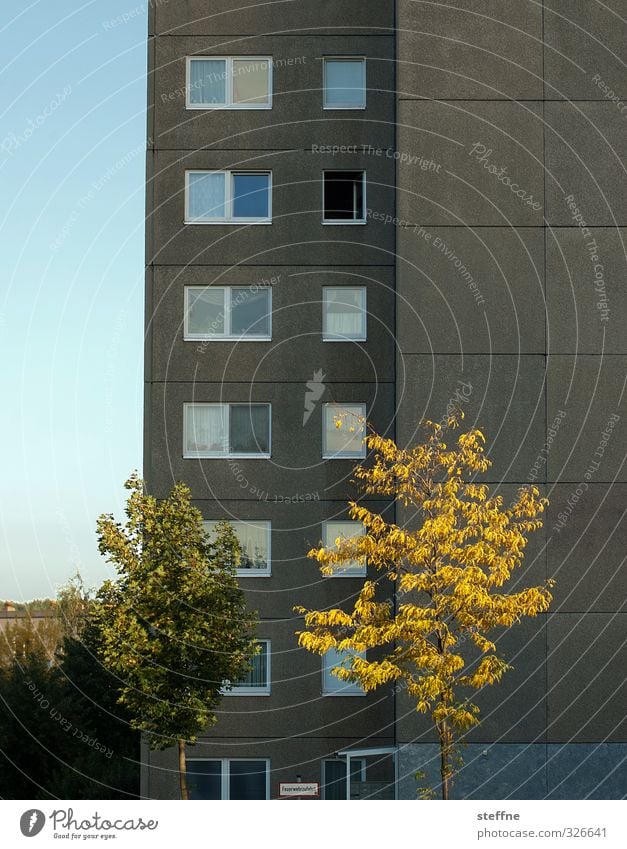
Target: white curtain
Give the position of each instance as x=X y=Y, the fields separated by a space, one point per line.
x=205 y=311
x=345 y=312
x=346 y=439
x=206 y=195
x=253 y=539
x=207 y=83
x=344 y=530
x=206 y=429
x=254 y=542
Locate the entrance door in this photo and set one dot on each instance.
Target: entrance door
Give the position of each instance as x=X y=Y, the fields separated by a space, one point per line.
x=334 y=776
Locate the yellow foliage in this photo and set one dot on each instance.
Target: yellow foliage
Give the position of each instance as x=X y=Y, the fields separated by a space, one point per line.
x=446 y=575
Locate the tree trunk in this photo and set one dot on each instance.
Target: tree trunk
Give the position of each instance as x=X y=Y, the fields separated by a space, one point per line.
x=182 y=770
x=445 y=757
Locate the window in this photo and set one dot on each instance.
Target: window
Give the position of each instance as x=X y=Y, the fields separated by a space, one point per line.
x=344 y=429
x=344 y=314
x=218 y=197
x=257 y=682
x=254 y=538
x=331 y=684
x=226 y=430
x=344 y=197
x=228 y=779
x=228 y=312
x=344 y=83
x=229 y=83
x=331 y=532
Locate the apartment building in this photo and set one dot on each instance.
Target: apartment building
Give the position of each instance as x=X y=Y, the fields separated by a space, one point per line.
x=374 y=208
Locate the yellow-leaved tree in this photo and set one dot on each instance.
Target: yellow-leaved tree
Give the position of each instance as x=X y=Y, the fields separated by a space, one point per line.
x=446 y=579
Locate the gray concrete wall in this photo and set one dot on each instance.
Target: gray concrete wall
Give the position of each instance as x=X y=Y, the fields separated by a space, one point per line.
x=521 y=771
x=472 y=285
x=296 y=726
x=524 y=81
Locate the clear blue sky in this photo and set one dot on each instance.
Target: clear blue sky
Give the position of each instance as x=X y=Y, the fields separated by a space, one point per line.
x=72 y=141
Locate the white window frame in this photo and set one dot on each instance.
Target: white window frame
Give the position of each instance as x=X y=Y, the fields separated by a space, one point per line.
x=225 y=773
x=229 y=104
x=227 y=336
x=352 y=455
x=325 y=334
x=250 y=573
x=343 y=571
x=228 y=197
x=237 y=690
x=191 y=455
x=346 y=107
x=338 y=222
x=348 y=688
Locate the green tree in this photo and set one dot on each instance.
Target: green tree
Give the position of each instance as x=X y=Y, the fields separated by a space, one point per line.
x=62 y=733
x=73 y=607
x=30 y=741
x=446 y=580
x=102 y=750
x=174 y=624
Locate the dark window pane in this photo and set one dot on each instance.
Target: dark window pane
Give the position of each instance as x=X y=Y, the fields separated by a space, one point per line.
x=248 y=780
x=343 y=195
x=251 y=195
x=335 y=780
x=204 y=779
x=250 y=429
x=250 y=312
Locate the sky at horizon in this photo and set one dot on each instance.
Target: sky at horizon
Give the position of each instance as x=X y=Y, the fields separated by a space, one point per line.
x=72 y=169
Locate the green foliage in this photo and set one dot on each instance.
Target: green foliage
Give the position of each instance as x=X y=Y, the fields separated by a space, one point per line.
x=62 y=735
x=30 y=741
x=73 y=607
x=174 y=624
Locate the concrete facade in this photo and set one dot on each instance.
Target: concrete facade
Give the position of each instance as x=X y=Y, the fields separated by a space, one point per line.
x=470 y=283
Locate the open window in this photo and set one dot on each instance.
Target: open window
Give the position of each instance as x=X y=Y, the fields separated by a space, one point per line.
x=344 y=197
